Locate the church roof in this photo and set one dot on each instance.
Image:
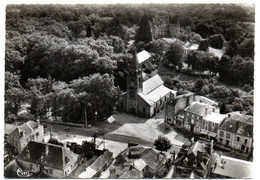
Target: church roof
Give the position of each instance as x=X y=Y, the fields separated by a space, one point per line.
x=152 y=83
x=143 y=56
x=154 y=90
x=157 y=93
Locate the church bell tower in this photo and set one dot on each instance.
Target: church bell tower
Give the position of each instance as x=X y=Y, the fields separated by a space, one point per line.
x=134 y=84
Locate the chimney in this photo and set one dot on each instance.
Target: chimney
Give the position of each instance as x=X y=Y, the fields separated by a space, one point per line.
x=46 y=149
x=64 y=145
x=206 y=111
x=211 y=147
x=38 y=123
x=27 y=152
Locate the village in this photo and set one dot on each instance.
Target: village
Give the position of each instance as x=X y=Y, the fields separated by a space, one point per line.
x=155 y=131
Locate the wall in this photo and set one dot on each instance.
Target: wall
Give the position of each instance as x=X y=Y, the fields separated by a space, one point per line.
x=237 y=144
x=27 y=165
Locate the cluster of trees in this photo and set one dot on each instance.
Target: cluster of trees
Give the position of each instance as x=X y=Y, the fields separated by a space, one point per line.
x=57 y=56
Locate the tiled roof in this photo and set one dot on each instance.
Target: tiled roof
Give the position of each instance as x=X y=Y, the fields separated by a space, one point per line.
x=197 y=108
x=101 y=161
x=139 y=164
x=143 y=56
x=237 y=126
x=233 y=168
x=131 y=174
x=196 y=147
x=54 y=158
x=152 y=158
x=9 y=128
x=136 y=150
x=152 y=83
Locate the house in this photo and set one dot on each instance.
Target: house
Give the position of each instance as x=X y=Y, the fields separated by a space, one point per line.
x=20 y=136
x=237 y=132
x=210 y=124
x=194 y=114
x=165 y=26
x=228 y=167
x=51 y=160
x=138 y=160
x=174 y=113
x=144 y=98
x=98 y=166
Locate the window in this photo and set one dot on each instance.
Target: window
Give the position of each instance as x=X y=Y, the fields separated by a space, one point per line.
x=37 y=134
x=206 y=122
x=221 y=134
x=245 y=141
x=192 y=115
x=187 y=113
x=238 y=138
x=227 y=142
x=213 y=124
x=228 y=135
x=206 y=127
x=220 y=140
x=31 y=166
x=192 y=121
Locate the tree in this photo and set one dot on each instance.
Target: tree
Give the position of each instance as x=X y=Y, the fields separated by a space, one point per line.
x=14 y=94
x=88 y=149
x=174 y=55
x=203 y=46
x=162 y=143
x=216 y=41
x=144 y=32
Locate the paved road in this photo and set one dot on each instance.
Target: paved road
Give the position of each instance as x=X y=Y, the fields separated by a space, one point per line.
x=60 y=129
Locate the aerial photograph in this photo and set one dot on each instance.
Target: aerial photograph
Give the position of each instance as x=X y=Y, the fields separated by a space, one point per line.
x=129 y=91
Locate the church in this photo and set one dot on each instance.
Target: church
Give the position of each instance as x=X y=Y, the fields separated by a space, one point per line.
x=144 y=98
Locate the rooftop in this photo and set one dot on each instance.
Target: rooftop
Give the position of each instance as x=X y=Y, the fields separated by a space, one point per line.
x=101 y=161
x=9 y=128
x=143 y=56
x=27 y=128
x=152 y=158
x=197 y=108
x=237 y=126
x=152 y=83
x=53 y=158
x=196 y=147
x=231 y=167
x=215 y=117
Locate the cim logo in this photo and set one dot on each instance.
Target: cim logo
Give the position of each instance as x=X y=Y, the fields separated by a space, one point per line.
x=22 y=173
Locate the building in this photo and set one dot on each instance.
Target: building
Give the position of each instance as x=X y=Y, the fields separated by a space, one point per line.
x=174 y=113
x=144 y=98
x=165 y=26
x=192 y=161
x=140 y=161
x=210 y=124
x=194 y=114
x=20 y=136
x=51 y=160
x=98 y=166
x=228 y=167
x=237 y=132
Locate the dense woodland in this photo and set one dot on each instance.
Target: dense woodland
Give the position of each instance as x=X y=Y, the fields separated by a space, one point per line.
x=72 y=60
